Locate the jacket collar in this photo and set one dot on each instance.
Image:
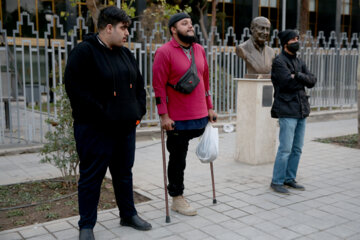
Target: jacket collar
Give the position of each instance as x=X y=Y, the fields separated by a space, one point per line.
x=288 y=55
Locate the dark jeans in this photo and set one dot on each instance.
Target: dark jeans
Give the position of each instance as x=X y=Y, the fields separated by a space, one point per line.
x=98 y=149
x=177 y=144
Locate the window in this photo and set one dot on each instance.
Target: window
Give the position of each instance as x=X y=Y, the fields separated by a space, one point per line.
x=313 y=16
x=346 y=16
x=270 y=9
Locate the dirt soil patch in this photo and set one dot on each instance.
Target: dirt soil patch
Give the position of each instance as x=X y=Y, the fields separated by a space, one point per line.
x=350 y=141
x=47 y=200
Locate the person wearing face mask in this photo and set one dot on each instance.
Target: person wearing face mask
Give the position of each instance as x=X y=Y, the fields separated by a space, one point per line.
x=289 y=76
x=183 y=115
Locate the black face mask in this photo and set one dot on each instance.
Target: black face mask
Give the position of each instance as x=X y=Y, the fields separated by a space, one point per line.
x=293 y=47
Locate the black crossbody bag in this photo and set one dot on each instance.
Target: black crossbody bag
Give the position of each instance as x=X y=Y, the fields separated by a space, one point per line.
x=188 y=82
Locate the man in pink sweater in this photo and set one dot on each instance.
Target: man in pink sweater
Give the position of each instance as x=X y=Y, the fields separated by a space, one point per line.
x=183 y=115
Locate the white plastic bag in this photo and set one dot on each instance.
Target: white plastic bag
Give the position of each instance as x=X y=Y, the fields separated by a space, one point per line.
x=208 y=147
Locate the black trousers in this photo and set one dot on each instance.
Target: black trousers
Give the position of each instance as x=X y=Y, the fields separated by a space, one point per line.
x=98 y=149
x=177 y=144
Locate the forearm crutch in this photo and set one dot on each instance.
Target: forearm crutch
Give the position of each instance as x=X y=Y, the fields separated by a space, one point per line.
x=167 y=220
x=213 y=182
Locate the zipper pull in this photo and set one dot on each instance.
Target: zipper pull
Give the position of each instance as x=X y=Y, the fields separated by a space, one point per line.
x=114 y=93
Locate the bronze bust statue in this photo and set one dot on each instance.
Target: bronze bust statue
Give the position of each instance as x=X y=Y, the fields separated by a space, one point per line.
x=256 y=54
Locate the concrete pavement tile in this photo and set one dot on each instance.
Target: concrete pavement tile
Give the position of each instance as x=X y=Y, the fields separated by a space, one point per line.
x=221 y=207
x=109 y=224
x=285 y=234
x=249 y=232
x=198 y=222
x=104 y=216
x=267 y=227
x=230 y=236
x=58 y=226
x=283 y=222
x=214 y=230
x=217 y=218
x=267 y=215
x=104 y=235
x=227 y=190
x=172 y=238
x=98 y=227
x=252 y=209
x=235 y=213
x=10 y=236
x=33 y=231
x=322 y=236
x=194 y=235
x=237 y=204
x=157 y=233
x=233 y=224
x=179 y=227
x=43 y=237
x=355 y=237
x=206 y=211
x=302 y=229
x=196 y=197
x=341 y=231
x=65 y=234
x=266 y=205
x=144 y=208
x=251 y=220
x=153 y=214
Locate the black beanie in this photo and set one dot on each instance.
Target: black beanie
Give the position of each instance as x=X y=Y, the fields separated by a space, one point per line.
x=286 y=35
x=177 y=17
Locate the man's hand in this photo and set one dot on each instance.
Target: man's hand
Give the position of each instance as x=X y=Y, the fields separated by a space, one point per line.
x=212 y=116
x=292 y=75
x=166 y=122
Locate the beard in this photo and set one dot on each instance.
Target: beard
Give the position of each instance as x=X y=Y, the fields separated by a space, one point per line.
x=186 y=38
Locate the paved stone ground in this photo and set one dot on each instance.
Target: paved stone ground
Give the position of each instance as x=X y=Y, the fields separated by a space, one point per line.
x=246 y=209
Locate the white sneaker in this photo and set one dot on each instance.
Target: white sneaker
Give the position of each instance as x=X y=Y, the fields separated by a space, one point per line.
x=180 y=205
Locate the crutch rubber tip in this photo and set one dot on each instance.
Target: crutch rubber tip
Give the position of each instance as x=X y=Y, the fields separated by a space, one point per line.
x=167 y=219
x=214 y=201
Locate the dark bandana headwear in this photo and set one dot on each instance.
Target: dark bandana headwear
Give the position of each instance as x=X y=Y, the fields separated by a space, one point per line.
x=286 y=35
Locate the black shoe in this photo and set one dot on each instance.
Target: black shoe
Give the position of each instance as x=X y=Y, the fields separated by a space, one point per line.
x=86 y=234
x=279 y=189
x=294 y=185
x=136 y=222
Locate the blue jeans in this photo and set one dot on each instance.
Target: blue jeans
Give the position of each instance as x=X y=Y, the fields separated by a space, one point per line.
x=291 y=137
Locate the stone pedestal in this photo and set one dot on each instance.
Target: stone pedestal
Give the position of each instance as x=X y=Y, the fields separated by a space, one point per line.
x=255 y=129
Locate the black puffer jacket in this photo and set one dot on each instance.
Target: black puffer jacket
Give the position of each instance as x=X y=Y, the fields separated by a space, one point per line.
x=104 y=86
x=290 y=99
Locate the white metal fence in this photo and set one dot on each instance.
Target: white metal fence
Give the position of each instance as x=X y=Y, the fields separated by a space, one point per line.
x=30 y=67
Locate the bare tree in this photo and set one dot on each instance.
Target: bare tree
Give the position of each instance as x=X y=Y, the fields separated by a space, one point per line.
x=201 y=20
x=93 y=6
x=304 y=16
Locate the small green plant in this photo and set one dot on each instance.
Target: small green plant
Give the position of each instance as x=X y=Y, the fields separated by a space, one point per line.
x=44 y=207
x=51 y=215
x=70 y=203
x=60 y=148
x=20 y=222
x=15 y=213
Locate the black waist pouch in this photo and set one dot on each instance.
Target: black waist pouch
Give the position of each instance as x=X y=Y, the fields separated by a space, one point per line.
x=188 y=82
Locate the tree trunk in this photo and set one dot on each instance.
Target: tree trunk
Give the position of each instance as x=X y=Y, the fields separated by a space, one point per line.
x=201 y=20
x=358 y=102
x=304 y=16
x=93 y=6
x=213 y=20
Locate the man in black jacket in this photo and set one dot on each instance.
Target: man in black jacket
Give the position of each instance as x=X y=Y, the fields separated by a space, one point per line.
x=108 y=100
x=289 y=76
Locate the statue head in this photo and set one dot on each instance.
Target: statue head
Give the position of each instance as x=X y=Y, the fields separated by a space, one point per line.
x=260 y=29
